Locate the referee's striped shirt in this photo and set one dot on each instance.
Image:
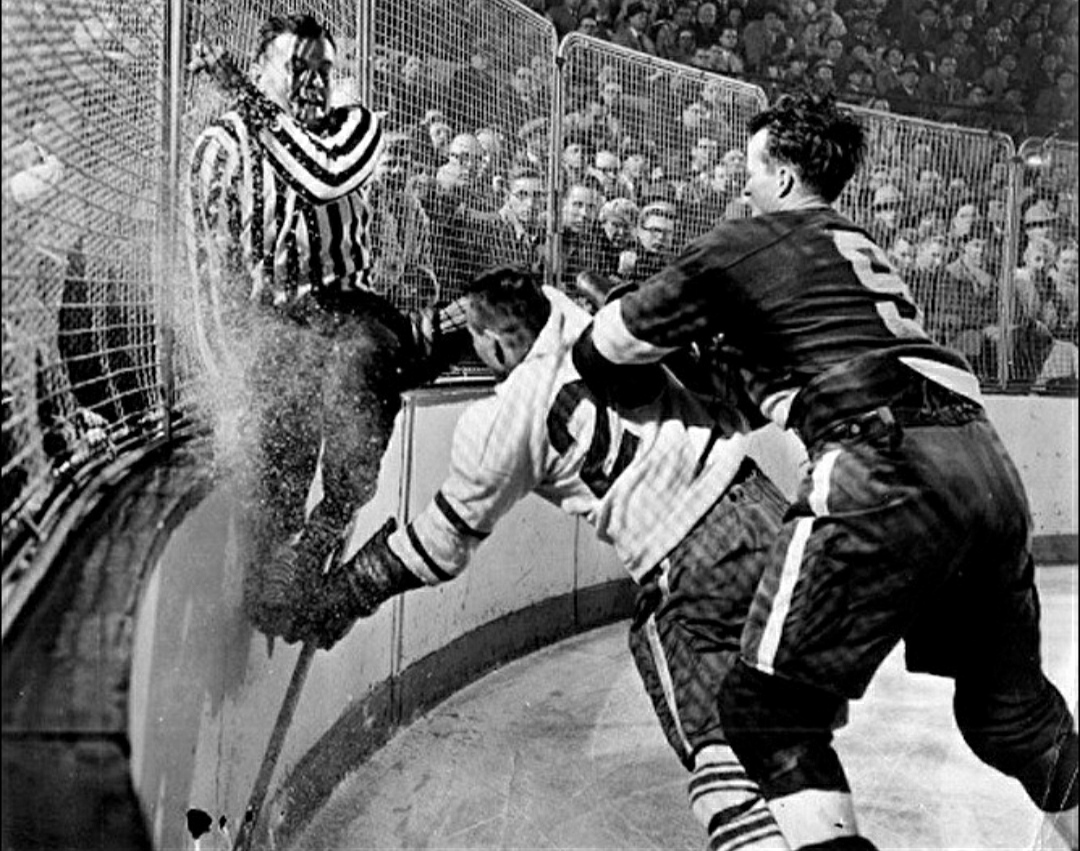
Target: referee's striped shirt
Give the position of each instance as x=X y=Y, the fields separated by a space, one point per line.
x=279 y=211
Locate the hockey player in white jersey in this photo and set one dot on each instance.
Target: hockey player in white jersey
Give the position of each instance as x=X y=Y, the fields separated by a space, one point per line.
x=688 y=514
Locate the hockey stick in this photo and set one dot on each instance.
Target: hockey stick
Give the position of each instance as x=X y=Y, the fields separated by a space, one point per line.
x=273 y=748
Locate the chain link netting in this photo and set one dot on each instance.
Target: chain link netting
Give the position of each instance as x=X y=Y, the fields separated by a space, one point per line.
x=934 y=197
x=651 y=156
x=467 y=94
x=82 y=128
x=1045 y=279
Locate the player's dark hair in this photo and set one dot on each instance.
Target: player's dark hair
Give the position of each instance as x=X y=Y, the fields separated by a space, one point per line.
x=510 y=296
x=302 y=25
x=824 y=144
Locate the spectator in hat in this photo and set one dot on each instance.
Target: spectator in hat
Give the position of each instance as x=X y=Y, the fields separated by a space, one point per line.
x=1039 y=221
x=633 y=31
x=822 y=78
x=904 y=99
x=942 y=88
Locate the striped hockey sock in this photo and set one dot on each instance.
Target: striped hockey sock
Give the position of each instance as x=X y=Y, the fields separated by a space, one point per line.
x=729 y=804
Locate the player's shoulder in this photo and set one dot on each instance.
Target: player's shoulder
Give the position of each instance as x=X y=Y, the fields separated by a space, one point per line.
x=348 y=124
x=501 y=431
x=732 y=240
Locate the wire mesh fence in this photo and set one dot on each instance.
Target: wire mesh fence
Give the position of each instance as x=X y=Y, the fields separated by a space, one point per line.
x=82 y=125
x=1045 y=279
x=502 y=145
x=467 y=92
x=934 y=197
x=650 y=156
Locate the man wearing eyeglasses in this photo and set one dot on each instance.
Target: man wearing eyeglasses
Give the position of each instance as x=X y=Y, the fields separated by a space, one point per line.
x=656 y=240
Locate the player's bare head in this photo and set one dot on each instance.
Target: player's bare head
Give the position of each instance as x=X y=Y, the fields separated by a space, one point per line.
x=293 y=64
x=800 y=149
x=506 y=310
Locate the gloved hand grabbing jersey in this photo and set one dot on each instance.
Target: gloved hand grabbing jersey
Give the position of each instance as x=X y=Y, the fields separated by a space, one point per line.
x=621 y=385
x=356 y=589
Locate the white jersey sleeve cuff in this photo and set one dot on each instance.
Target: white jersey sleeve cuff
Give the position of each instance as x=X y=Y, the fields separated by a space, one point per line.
x=616 y=343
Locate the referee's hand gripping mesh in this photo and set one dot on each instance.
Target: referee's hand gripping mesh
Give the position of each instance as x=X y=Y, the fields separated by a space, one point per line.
x=357 y=588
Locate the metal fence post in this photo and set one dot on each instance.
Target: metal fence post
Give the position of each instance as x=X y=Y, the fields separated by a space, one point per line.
x=172 y=80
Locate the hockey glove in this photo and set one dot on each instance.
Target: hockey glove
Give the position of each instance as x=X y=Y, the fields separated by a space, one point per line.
x=441 y=339
x=621 y=385
x=594 y=287
x=357 y=588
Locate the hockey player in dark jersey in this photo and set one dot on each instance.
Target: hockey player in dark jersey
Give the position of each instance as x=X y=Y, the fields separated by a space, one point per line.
x=911 y=521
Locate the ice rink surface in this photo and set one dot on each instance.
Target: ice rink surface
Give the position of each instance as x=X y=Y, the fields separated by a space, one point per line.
x=560 y=750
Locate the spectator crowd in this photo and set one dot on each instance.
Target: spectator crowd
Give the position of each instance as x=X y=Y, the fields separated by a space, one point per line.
x=648 y=162
x=1004 y=65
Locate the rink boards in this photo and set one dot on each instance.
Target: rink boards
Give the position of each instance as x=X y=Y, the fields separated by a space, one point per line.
x=206 y=689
